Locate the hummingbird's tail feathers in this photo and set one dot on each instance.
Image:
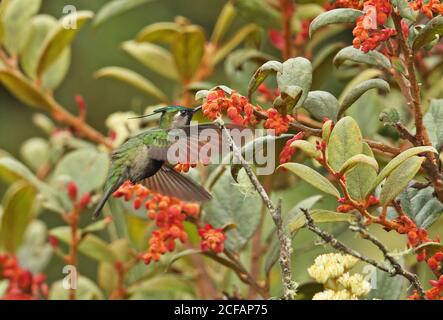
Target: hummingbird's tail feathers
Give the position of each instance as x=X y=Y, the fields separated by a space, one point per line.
x=169 y=182
x=105 y=197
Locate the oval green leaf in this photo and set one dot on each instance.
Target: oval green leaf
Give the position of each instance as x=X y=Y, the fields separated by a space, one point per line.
x=152 y=56
x=343 y=15
x=359 y=90
x=18 y=211
x=134 y=79
x=321 y=105
x=163 y=32
x=61 y=38
x=345 y=142
x=399 y=178
x=188 y=50
x=372 y=58
x=312 y=177
x=394 y=163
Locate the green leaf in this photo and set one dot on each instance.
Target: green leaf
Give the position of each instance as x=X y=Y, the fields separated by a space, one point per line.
x=188 y=49
x=268 y=68
x=335 y=16
x=345 y=142
x=232 y=205
x=307 y=147
x=224 y=21
x=394 y=163
x=405 y=9
x=60 y=38
x=86 y=290
x=35 y=152
x=134 y=79
x=42 y=25
x=90 y=245
x=399 y=178
x=23 y=90
x=116 y=7
x=163 y=32
x=296 y=72
x=152 y=56
x=352 y=162
x=385 y=286
x=12 y=170
x=433 y=121
x=86 y=167
x=432 y=29
x=372 y=58
x=16 y=23
x=359 y=90
x=319 y=216
x=258 y=11
x=233 y=42
x=321 y=104
x=18 y=211
x=312 y=177
x=421 y=205
x=359 y=180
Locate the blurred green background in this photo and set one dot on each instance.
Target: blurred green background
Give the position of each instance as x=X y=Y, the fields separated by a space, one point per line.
x=97 y=48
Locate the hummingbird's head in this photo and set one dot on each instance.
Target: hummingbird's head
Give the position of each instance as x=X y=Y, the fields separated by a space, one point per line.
x=173 y=116
x=176 y=116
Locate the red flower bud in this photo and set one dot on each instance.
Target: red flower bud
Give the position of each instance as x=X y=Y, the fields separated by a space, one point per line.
x=72 y=191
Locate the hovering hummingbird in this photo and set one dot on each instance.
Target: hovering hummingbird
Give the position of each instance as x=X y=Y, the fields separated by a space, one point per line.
x=143 y=159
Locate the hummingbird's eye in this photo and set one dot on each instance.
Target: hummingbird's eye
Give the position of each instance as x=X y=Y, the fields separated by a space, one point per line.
x=183 y=112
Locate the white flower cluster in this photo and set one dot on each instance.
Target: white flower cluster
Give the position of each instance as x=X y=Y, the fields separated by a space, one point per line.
x=330 y=266
x=332 y=270
x=355 y=284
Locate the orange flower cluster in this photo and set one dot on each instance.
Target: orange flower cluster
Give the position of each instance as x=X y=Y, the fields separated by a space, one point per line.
x=435 y=293
x=23 y=285
x=418 y=236
x=168 y=213
x=428 y=8
x=241 y=112
x=277 y=121
x=367 y=35
x=288 y=151
x=212 y=239
x=184 y=167
x=237 y=107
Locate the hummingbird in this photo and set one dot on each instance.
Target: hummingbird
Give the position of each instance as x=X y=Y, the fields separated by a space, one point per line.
x=143 y=159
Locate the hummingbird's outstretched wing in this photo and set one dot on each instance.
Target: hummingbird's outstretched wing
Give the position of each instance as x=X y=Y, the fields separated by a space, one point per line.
x=179 y=145
x=169 y=182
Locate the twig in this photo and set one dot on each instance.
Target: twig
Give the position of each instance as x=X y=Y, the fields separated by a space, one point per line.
x=73 y=219
x=336 y=244
x=275 y=211
x=422 y=136
x=397 y=268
